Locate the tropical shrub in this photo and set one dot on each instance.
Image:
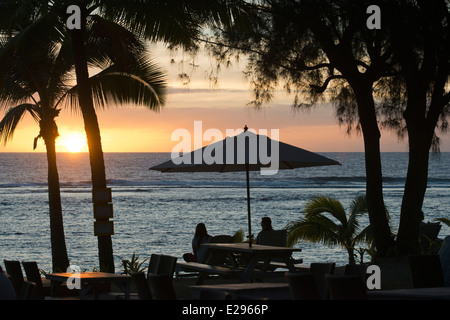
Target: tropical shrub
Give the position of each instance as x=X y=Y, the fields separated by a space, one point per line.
x=326 y=221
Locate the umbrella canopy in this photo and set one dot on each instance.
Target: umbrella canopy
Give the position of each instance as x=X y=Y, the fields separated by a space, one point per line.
x=247 y=151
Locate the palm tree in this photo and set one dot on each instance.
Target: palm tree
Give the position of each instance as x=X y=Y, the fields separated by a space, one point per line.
x=326 y=221
x=176 y=22
x=38 y=82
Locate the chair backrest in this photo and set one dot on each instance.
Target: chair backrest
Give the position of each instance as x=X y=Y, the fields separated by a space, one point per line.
x=444 y=256
x=27 y=291
x=223 y=238
x=318 y=271
x=162 y=286
x=33 y=275
x=426 y=271
x=346 y=287
x=272 y=238
x=360 y=269
x=14 y=271
x=142 y=286
x=153 y=263
x=429 y=231
x=162 y=264
x=302 y=286
x=166 y=265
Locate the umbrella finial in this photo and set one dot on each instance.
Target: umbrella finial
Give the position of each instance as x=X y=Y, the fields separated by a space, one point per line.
x=245 y=128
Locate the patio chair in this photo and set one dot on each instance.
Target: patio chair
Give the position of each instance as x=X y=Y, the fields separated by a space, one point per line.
x=142 y=285
x=429 y=231
x=14 y=271
x=162 y=286
x=33 y=275
x=426 y=271
x=153 y=263
x=346 y=287
x=318 y=271
x=161 y=264
x=166 y=265
x=302 y=286
x=360 y=269
x=428 y=237
x=444 y=256
x=26 y=291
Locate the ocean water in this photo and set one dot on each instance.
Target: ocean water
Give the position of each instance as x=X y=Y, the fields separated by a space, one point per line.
x=157 y=212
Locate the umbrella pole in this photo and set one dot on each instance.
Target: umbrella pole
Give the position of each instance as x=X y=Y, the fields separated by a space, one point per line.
x=248 y=206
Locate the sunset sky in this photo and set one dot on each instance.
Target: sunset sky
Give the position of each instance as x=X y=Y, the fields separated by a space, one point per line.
x=133 y=129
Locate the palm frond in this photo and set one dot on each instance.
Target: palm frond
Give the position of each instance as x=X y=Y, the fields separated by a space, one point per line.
x=171 y=22
x=321 y=204
x=313 y=231
x=325 y=221
x=141 y=84
x=358 y=207
x=25 y=72
x=106 y=38
x=365 y=236
x=12 y=118
x=60 y=70
x=12 y=93
x=15 y=15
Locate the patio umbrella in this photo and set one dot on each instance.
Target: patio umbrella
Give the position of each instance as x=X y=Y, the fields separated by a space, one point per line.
x=247 y=151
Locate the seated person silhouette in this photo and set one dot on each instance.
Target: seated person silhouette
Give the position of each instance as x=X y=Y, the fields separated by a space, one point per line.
x=200 y=236
x=269 y=236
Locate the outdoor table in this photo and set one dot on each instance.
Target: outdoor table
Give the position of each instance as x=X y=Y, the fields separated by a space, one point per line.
x=90 y=280
x=252 y=291
x=437 y=293
x=254 y=256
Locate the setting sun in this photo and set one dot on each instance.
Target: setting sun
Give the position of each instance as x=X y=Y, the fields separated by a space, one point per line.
x=74 y=142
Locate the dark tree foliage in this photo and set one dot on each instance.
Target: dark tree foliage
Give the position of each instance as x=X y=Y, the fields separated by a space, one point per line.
x=416 y=98
x=395 y=77
x=177 y=23
x=320 y=51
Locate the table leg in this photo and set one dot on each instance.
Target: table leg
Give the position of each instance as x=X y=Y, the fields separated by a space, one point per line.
x=247 y=275
x=289 y=264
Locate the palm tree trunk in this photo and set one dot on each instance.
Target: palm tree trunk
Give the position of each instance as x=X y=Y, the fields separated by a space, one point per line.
x=351 y=255
x=60 y=260
x=93 y=137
